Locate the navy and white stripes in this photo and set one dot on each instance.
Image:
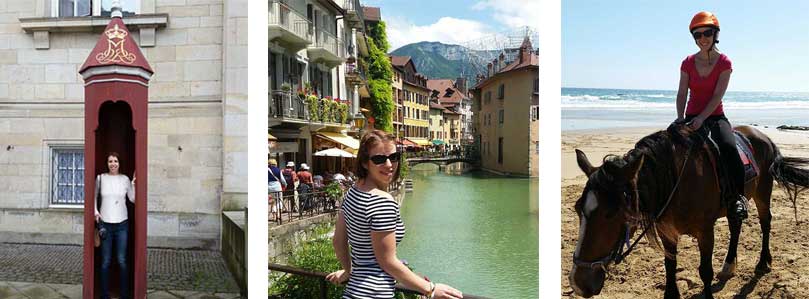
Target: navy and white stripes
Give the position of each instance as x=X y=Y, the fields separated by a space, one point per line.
x=365 y=212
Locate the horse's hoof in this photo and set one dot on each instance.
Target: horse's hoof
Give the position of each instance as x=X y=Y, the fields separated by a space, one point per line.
x=728 y=270
x=763 y=268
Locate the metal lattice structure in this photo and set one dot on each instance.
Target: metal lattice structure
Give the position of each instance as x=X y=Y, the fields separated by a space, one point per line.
x=479 y=52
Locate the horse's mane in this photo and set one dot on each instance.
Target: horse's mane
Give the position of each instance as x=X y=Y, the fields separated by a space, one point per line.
x=656 y=179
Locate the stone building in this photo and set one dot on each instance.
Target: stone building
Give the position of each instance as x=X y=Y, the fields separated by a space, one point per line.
x=314 y=48
x=197 y=116
x=506 y=113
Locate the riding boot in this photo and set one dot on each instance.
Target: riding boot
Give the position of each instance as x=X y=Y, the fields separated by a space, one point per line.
x=737 y=209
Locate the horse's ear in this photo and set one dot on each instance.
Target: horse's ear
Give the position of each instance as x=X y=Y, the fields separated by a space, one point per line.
x=584 y=164
x=633 y=167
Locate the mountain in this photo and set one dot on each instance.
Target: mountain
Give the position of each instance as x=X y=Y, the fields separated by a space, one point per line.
x=437 y=60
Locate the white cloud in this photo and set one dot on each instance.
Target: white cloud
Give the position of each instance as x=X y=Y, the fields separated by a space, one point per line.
x=447 y=30
x=513 y=13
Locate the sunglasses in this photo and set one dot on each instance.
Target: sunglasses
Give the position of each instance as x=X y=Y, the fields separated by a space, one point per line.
x=380 y=159
x=706 y=33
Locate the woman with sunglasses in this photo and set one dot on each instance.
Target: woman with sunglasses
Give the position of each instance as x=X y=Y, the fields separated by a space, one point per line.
x=704 y=77
x=370 y=222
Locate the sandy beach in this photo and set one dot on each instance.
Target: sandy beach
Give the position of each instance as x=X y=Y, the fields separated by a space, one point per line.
x=642 y=275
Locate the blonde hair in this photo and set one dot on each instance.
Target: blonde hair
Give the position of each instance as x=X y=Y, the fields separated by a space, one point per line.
x=272 y=162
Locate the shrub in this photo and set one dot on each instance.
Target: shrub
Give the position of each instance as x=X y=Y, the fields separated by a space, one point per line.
x=314 y=111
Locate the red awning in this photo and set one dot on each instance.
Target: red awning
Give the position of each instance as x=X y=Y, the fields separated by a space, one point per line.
x=406 y=142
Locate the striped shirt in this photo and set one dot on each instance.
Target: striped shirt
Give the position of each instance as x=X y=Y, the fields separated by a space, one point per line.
x=365 y=212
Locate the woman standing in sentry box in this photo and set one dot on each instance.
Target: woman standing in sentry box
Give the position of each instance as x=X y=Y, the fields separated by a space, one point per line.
x=369 y=221
x=113 y=188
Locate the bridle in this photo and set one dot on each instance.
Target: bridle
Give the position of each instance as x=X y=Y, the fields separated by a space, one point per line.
x=617 y=253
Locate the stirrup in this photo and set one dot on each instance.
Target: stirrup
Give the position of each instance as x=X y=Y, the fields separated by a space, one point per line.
x=738 y=209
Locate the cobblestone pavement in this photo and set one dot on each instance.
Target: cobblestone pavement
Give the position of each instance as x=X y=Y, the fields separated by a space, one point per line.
x=60 y=265
x=14 y=290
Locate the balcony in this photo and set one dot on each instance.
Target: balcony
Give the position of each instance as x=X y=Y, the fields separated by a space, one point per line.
x=288 y=27
x=354 y=74
x=354 y=14
x=326 y=48
x=286 y=107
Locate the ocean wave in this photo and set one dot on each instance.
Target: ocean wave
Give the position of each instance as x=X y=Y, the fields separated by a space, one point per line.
x=640 y=105
x=636 y=101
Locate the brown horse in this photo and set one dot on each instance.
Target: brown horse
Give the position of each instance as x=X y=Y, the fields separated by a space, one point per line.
x=667 y=188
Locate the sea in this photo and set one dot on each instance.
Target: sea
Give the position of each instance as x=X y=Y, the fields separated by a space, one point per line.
x=595 y=108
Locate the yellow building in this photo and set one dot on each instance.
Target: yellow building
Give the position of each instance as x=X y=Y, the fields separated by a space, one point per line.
x=398 y=99
x=437 y=134
x=506 y=112
x=414 y=100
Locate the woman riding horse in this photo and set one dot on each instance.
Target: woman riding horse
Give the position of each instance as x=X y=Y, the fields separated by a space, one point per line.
x=668 y=188
x=706 y=75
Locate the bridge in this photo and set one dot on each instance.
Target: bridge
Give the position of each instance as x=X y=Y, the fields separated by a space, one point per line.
x=442 y=161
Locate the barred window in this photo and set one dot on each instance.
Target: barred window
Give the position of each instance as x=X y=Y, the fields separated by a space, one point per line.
x=535 y=112
x=67 y=177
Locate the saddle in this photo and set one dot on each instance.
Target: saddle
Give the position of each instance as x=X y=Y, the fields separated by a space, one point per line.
x=745 y=151
x=703 y=138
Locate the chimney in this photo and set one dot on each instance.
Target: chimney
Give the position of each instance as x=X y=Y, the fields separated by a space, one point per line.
x=501 y=63
x=460 y=84
x=525 y=50
x=489 y=69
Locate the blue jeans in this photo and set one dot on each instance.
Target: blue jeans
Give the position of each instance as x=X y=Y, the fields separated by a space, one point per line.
x=114 y=233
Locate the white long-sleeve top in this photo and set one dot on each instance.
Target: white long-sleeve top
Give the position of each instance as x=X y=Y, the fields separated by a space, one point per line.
x=114 y=191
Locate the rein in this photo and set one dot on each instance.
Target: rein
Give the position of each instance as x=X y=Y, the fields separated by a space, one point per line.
x=618 y=254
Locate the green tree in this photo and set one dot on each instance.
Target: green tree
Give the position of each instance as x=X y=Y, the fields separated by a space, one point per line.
x=380 y=73
x=379 y=33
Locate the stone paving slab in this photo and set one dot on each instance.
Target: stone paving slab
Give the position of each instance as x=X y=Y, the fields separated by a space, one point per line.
x=168 y=269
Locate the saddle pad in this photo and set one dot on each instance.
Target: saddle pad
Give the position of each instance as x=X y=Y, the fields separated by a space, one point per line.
x=746 y=154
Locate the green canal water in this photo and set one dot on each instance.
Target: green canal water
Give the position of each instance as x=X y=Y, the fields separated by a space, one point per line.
x=474 y=231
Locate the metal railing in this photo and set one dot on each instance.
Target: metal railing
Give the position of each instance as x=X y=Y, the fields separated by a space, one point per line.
x=284 y=104
x=288 y=18
x=308 y=204
x=327 y=40
x=321 y=277
x=355 y=7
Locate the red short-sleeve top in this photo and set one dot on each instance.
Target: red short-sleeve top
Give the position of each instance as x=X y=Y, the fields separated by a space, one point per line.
x=702 y=88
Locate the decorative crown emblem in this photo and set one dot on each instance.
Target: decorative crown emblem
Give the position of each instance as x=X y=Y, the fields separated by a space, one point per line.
x=115 y=48
x=115 y=33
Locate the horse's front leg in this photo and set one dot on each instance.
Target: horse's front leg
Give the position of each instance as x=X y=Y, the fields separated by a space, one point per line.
x=706 y=242
x=730 y=259
x=672 y=291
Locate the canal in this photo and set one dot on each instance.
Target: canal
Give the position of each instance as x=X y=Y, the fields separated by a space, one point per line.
x=474 y=231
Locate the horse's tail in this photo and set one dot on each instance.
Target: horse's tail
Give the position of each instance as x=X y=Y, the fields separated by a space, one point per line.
x=792 y=174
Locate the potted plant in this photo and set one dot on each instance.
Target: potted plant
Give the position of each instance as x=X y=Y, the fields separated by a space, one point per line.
x=335 y=111
x=313 y=103
x=286 y=87
x=343 y=113
x=325 y=110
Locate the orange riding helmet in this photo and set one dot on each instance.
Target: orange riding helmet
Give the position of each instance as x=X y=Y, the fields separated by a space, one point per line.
x=702 y=19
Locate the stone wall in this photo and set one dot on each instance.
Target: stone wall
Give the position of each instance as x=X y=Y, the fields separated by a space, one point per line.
x=197 y=132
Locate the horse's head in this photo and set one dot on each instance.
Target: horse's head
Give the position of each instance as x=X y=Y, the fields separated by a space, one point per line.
x=604 y=211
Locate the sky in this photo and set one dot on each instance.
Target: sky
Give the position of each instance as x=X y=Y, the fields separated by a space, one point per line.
x=641 y=44
x=452 y=21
